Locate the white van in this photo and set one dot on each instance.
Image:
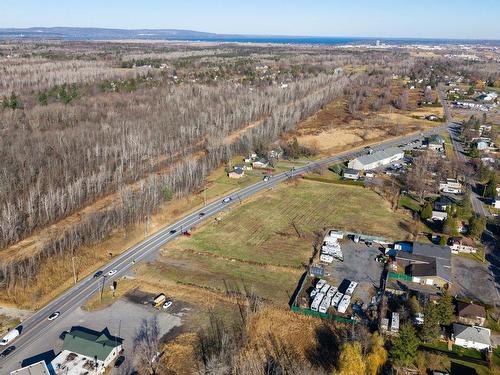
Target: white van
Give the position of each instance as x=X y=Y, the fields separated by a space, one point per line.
x=9 y=336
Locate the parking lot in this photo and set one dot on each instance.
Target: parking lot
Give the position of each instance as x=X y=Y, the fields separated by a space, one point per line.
x=472 y=279
x=359 y=265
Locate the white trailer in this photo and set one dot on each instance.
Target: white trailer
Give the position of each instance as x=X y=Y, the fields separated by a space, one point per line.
x=331 y=292
x=317 y=300
x=344 y=303
x=320 y=284
x=395 y=322
x=351 y=287
x=336 y=299
x=337 y=234
x=324 y=305
x=325 y=288
x=326 y=258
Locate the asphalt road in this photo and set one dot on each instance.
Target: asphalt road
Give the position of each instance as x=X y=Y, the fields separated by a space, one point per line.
x=454 y=131
x=37 y=324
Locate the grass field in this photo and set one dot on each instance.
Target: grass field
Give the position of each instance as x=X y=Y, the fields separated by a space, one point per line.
x=263 y=244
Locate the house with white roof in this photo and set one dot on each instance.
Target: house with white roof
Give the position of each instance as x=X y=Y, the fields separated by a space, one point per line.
x=471 y=336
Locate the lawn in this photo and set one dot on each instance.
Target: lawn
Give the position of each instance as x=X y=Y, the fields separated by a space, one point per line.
x=448 y=146
x=405 y=201
x=278 y=227
x=223 y=275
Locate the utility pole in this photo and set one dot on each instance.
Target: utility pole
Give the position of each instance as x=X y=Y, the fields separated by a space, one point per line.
x=74 y=270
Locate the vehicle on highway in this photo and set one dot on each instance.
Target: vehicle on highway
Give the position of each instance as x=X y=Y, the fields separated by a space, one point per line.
x=267 y=178
x=7 y=351
x=167 y=304
x=97 y=274
x=227 y=200
x=9 y=336
x=119 y=361
x=173 y=231
x=201 y=214
x=54 y=315
x=112 y=272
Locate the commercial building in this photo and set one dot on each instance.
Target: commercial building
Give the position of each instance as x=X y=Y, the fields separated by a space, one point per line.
x=427 y=264
x=86 y=351
x=376 y=159
x=38 y=368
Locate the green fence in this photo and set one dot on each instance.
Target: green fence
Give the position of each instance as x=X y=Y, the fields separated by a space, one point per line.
x=323 y=315
x=394 y=275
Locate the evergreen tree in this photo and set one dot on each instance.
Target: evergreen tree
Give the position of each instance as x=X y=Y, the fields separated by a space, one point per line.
x=490 y=189
x=405 y=345
x=445 y=309
x=426 y=212
x=43 y=98
x=477 y=225
x=430 y=329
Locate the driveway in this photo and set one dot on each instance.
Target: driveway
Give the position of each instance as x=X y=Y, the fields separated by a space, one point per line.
x=122 y=319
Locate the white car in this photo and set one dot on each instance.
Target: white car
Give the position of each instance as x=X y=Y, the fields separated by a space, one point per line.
x=112 y=272
x=54 y=315
x=227 y=200
x=167 y=304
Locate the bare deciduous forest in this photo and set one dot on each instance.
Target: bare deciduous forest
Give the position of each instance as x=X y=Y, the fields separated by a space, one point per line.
x=140 y=123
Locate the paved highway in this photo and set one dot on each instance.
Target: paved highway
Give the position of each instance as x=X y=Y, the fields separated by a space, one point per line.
x=37 y=324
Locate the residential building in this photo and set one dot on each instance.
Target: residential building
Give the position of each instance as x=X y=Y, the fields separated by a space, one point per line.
x=435 y=142
x=261 y=163
x=461 y=245
x=428 y=264
x=38 y=368
x=439 y=215
x=351 y=174
x=471 y=314
x=442 y=203
x=86 y=351
x=236 y=173
x=471 y=336
x=451 y=186
x=376 y=159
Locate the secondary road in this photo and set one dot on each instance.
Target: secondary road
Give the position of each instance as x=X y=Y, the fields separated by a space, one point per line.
x=454 y=131
x=37 y=324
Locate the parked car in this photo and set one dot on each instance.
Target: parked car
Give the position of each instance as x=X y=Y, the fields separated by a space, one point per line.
x=54 y=315
x=7 y=351
x=112 y=272
x=119 y=361
x=167 y=304
x=97 y=274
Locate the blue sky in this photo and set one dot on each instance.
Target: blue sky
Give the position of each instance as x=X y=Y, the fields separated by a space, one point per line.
x=379 y=18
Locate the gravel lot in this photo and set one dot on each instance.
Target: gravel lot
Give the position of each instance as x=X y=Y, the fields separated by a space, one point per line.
x=122 y=319
x=359 y=265
x=472 y=279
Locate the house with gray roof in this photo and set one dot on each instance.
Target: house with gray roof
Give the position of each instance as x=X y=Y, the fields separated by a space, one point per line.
x=472 y=336
x=376 y=159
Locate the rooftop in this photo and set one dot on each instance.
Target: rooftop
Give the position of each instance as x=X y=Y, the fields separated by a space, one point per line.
x=90 y=343
x=70 y=363
x=38 y=368
x=475 y=334
x=379 y=155
x=470 y=310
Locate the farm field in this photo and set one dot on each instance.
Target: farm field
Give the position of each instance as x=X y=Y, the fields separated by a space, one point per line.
x=264 y=243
